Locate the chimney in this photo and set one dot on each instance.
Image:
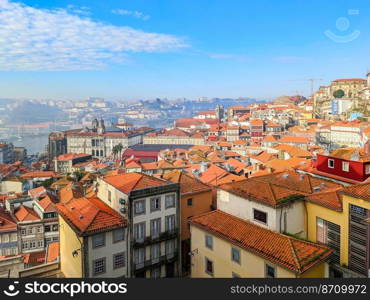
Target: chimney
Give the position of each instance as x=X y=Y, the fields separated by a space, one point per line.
x=367 y=147
x=281 y=154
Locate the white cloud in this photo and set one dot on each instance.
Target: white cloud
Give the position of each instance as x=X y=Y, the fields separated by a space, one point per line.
x=134 y=13
x=50 y=40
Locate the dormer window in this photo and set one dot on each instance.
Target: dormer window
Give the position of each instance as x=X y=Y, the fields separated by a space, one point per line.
x=331 y=163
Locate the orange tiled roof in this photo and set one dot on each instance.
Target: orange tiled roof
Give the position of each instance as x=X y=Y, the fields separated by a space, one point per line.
x=90 y=215
x=293 y=151
x=361 y=190
x=188 y=184
x=52 y=252
x=350 y=153
x=6 y=222
x=331 y=200
x=24 y=213
x=39 y=174
x=273 y=189
x=131 y=181
x=288 y=252
x=70 y=156
x=293 y=139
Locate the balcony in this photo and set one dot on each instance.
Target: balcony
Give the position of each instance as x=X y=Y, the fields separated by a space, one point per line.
x=163 y=236
x=155 y=262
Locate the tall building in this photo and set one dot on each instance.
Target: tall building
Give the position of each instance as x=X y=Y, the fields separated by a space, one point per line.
x=151 y=207
x=6 y=153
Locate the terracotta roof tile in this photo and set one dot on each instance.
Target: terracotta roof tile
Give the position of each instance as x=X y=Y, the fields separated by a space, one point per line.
x=290 y=253
x=90 y=215
x=131 y=181
x=358 y=190
x=188 y=184
x=24 y=213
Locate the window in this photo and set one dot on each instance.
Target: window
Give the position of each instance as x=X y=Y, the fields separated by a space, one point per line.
x=109 y=196
x=170 y=200
x=170 y=223
x=260 y=216
x=155 y=204
x=139 y=207
x=367 y=169
x=190 y=202
x=156 y=273
x=139 y=232
x=270 y=271
x=345 y=166
x=118 y=260
x=235 y=255
x=170 y=247
x=98 y=240
x=47 y=228
x=328 y=233
x=139 y=255
x=118 y=235
x=156 y=251
x=55 y=227
x=209 y=241
x=331 y=163
x=23 y=231
x=155 y=228
x=25 y=245
x=99 y=266
x=209 y=266
x=40 y=244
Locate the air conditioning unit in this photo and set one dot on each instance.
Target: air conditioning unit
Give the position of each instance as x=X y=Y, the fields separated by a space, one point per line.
x=123 y=210
x=122 y=201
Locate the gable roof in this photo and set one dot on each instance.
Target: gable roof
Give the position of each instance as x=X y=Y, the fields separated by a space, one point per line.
x=90 y=215
x=128 y=182
x=361 y=190
x=288 y=252
x=188 y=184
x=274 y=189
x=24 y=213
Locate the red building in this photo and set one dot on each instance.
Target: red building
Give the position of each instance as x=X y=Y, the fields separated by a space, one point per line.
x=346 y=164
x=256 y=128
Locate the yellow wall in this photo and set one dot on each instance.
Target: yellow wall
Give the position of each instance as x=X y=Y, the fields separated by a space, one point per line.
x=69 y=242
x=251 y=266
x=339 y=218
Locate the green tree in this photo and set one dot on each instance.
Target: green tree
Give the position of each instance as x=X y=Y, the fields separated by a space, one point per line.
x=338 y=94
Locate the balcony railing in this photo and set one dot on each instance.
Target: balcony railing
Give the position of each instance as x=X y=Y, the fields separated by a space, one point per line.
x=155 y=262
x=163 y=236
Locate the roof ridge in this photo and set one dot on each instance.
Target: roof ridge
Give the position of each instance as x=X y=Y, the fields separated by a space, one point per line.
x=294 y=253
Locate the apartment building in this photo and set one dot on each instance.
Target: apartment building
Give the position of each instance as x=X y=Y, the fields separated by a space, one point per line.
x=64 y=162
x=341 y=220
x=93 y=240
x=151 y=206
x=274 y=201
x=225 y=246
x=36 y=220
x=6 y=153
x=8 y=234
x=99 y=140
x=196 y=199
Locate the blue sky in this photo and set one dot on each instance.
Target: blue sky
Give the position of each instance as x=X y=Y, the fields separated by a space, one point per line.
x=178 y=48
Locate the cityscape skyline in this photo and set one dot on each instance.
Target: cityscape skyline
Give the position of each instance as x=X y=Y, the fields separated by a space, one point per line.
x=146 y=50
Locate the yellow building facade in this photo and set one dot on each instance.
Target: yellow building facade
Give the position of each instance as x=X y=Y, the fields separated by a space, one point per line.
x=342 y=218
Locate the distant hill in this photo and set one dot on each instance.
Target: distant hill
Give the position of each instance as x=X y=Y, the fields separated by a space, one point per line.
x=31 y=113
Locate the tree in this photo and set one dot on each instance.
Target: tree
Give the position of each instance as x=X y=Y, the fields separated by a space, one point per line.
x=115 y=151
x=119 y=149
x=338 y=94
